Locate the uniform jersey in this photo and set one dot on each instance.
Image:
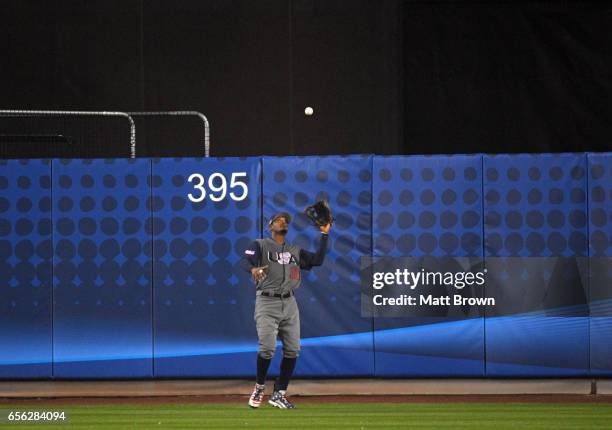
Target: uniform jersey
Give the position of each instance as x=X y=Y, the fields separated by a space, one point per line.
x=284 y=262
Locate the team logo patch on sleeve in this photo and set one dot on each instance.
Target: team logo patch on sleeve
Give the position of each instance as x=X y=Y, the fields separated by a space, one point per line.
x=249 y=252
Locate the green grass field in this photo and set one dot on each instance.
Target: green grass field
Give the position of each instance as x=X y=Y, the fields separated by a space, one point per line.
x=333 y=416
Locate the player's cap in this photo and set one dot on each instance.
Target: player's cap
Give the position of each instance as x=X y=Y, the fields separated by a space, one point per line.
x=280 y=215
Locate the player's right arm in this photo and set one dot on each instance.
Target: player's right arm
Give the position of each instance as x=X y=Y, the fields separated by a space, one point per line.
x=250 y=261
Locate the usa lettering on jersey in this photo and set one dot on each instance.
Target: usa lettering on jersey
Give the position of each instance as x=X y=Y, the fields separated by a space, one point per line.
x=282 y=257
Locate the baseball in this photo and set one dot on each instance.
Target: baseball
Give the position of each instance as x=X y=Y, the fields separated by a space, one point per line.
x=309 y=111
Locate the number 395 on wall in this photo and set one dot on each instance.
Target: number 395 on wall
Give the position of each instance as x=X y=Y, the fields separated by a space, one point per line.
x=217 y=187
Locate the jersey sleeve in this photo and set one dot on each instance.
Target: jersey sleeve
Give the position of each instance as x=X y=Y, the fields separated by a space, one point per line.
x=251 y=257
x=308 y=259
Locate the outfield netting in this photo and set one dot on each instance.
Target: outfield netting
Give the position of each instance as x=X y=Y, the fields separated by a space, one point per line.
x=76 y=134
x=66 y=134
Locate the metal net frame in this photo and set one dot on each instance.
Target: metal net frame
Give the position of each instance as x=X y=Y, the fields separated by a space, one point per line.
x=205 y=137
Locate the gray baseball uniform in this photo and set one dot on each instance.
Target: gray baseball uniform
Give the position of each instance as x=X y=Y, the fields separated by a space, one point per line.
x=276 y=310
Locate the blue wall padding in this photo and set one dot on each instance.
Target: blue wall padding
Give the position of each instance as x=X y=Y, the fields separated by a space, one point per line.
x=102 y=326
x=337 y=341
x=25 y=269
x=109 y=270
x=429 y=206
x=600 y=252
x=535 y=244
x=203 y=301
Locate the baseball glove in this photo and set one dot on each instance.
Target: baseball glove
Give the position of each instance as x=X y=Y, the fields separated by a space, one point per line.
x=320 y=213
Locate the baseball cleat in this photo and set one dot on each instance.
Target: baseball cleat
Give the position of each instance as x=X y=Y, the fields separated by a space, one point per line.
x=278 y=400
x=257 y=396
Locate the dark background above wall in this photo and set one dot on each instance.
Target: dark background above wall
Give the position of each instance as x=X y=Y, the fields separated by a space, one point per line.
x=385 y=77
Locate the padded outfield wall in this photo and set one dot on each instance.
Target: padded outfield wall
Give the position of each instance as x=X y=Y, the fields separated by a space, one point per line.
x=129 y=268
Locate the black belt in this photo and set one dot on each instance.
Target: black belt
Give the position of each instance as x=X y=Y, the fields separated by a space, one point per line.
x=278 y=296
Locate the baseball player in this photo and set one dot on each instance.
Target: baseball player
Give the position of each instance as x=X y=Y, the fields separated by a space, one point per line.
x=275 y=266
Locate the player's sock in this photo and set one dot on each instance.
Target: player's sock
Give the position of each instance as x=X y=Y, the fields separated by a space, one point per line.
x=286 y=370
x=262 y=369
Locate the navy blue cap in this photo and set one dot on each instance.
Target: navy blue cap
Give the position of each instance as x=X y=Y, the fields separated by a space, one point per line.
x=280 y=215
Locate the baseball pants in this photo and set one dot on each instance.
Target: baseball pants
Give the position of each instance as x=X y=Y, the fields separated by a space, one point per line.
x=277 y=318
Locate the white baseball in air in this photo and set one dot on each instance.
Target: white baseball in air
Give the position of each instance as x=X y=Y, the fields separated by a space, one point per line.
x=308 y=111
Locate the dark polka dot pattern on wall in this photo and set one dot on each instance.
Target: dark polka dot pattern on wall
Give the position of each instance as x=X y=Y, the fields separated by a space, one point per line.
x=201 y=294
x=102 y=266
x=427 y=206
x=534 y=227
x=534 y=204
x=108 y=235
x=25 y=267
x=600 y=205
x=599 y=177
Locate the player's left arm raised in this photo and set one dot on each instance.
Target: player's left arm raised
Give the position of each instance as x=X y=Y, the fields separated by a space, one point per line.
x=308 y=259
